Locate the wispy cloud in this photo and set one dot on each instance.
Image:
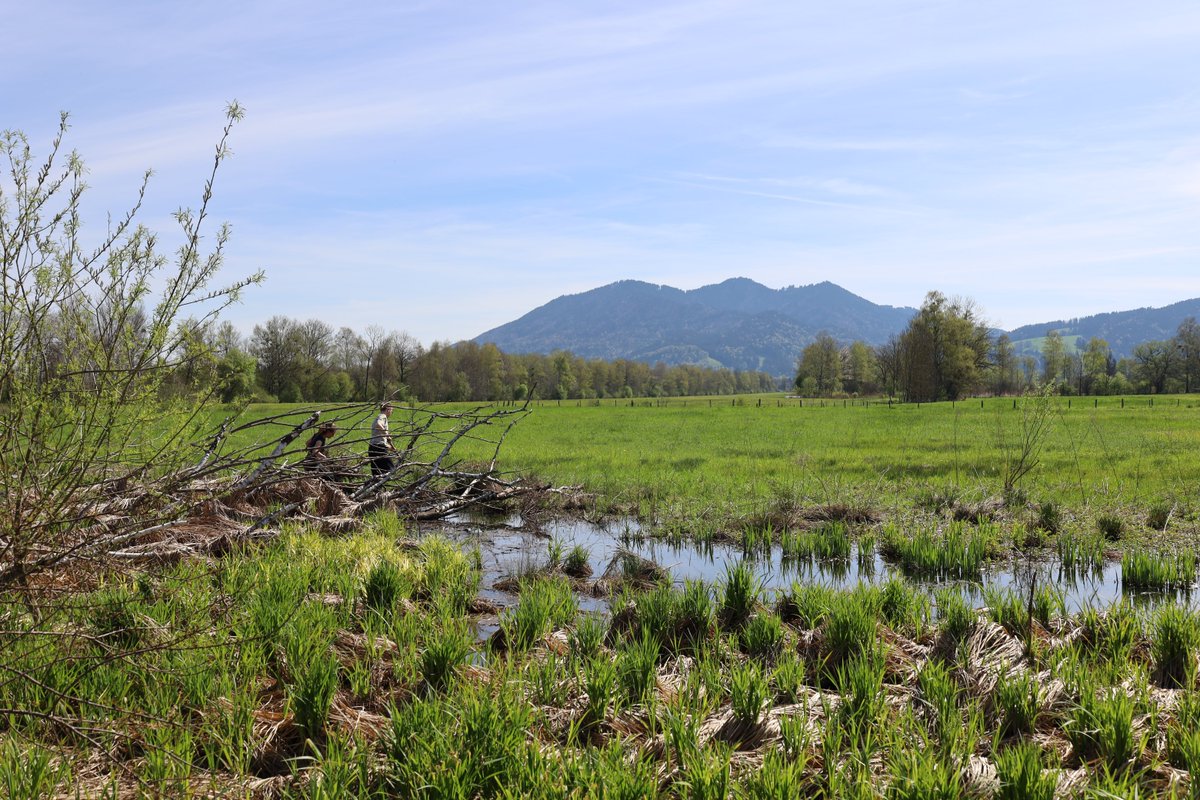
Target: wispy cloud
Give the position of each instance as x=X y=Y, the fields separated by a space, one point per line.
x=476 y=160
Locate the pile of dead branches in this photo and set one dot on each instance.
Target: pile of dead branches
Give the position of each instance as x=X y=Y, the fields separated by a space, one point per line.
x=249 y=476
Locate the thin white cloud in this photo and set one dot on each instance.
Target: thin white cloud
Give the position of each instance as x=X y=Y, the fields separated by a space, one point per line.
x=483 y=159
x=718 y=186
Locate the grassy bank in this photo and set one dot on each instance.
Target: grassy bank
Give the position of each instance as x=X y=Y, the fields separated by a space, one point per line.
x=330 y=668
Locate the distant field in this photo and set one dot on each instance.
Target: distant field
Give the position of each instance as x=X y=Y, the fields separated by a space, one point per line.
x=732 y=455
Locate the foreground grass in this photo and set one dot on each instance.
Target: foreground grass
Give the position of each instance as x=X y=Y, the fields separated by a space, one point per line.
x=350 y=667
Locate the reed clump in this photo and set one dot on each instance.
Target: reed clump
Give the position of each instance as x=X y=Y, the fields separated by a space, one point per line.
x=958 y=552
x=377 y=679
x=1158 y=571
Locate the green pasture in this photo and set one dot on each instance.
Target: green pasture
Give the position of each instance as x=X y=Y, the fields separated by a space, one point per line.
x=733 y=456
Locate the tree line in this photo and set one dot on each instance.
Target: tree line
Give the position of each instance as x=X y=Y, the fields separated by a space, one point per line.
x=290 y=360
x=947 y=352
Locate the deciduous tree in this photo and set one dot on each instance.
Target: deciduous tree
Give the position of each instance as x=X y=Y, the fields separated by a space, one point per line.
x=819 y=371
x=944 y=350
x=1187 y=346
x=1054 y=358
x=1153 y=362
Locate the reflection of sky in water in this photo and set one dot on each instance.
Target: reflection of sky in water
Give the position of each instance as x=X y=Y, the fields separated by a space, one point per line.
x=506 y=551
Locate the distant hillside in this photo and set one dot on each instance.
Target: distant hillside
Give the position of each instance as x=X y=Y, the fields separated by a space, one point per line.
x=1123 y=330
x=737 y=324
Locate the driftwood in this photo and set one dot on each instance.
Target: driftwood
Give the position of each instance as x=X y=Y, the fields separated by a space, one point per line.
x=242 y=492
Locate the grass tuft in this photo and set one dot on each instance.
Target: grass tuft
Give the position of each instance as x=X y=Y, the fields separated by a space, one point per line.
x=545 y=603
x=1175 y=639
x=850 y=630
x=1161 y=572
x=1049 y=517
x=315 y=670
x=576 y=563
x=1110 y=527
x=956 y=617
x=1080 y=555
x=637 y=669
x=958 y=553
x=762 y=637
x=1021 y=775
x=805 y=604
x=740 y=596
x=1101 y=727
x=1018 y=702
x=384 y=587
x=749 y=692
x=444 y=655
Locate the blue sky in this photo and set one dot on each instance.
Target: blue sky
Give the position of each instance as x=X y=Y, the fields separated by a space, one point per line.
x=442 y=168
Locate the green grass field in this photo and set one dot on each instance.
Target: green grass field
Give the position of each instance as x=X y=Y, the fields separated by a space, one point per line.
x=733 y=457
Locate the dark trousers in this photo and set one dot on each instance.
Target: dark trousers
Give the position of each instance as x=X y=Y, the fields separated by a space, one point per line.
x=381 y=460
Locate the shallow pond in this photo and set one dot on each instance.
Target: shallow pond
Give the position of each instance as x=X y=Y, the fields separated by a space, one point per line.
x=507 y=549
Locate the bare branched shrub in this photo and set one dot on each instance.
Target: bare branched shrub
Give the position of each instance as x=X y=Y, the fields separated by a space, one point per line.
x=88 y=338
x=1021 y=444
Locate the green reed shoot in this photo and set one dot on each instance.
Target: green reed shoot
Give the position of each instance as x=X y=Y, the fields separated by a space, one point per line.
x=749 y=692
x=600 y=681
x=1080 y=554
x=921 y=775
x=1101 y=727
x=741 y=591
x=315 y=672
x=637 y=669
x=762 y=636
x=576 y=562
x=1143 y=569
x=958 y=552
x=1175 y=639
x=587 y=637
x=903 y=606
x=29 y=772
x=956 y=618
x=1021 y=774
x=788 y=676
x=1018 y=702
x=779 y=776
x=545 y=603
x=385 y=585
x=444 y=655
x=805 y=604
x=850 y=630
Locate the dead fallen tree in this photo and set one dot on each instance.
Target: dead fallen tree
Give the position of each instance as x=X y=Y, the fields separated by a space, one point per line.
x=252 y=475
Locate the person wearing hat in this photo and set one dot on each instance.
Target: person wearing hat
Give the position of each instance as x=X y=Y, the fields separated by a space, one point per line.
x=380 y=449
x=317 y=457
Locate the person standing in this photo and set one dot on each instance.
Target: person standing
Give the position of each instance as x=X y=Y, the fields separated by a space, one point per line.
x=380 y=448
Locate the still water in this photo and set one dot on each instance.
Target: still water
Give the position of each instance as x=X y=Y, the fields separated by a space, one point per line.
x=507 y=549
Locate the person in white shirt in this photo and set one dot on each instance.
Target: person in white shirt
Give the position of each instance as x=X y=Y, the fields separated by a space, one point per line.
x=380 y=449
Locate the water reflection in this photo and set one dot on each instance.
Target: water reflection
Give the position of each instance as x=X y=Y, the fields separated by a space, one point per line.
x=509 y=550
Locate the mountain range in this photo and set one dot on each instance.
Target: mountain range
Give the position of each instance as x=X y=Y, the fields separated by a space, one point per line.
x=741 y=324
x=1123 y=330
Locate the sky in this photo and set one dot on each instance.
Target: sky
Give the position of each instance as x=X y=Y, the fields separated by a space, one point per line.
x=443 y=168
